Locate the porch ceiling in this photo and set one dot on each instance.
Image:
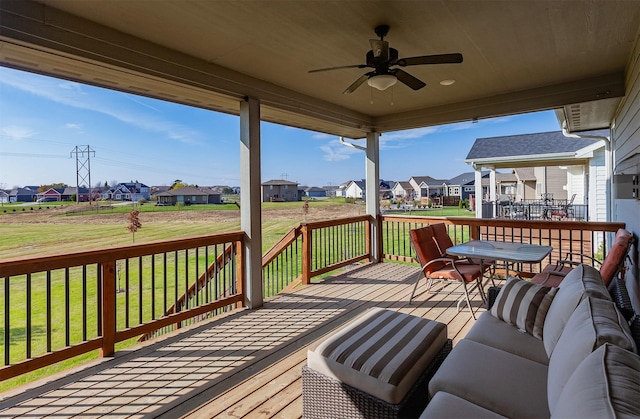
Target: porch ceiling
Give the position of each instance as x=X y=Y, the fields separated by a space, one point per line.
x=518 y=56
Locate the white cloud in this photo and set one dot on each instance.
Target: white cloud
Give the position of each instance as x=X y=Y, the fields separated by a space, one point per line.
x=71 y=125
x=78 y=96
x=17 y=133
x=334 y=150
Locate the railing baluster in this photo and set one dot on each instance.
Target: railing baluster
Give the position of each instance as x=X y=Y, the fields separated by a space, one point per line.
x=28 y=315
x=7 y=321
x=67 y=303
x=84 y=303
x=48 y=309
x=140 y=291
x=153 y=287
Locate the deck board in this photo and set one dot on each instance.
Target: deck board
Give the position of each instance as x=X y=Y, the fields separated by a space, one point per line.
x=246 y=363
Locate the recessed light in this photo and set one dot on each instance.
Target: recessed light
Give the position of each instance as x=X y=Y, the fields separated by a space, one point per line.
x=447 y=82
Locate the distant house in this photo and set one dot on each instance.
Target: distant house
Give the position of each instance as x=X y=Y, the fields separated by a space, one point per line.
x=132 y=191
x=75 y=194
x=280 y=190
x=433 y=188
x=463 y=185
x=315 y=192
x=341 y=191
x=331 y=190
x=403 y=189
x=4 y=196
x=50 y=195
x=418 y=190
x=355 y=189
x=26 y=194
x=188 y=195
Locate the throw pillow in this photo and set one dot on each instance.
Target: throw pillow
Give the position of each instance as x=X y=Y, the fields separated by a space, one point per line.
x=523 y=305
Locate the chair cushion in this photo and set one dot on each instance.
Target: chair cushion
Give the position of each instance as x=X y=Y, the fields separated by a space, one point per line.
x=470 y=271
x=500 y=335
x=445 y=405
x=547 y=276
x=382 y=353
x=426 y=248
x=442 y=238
x=581 y=281
x=605 y=385
x=504 y=383
x=523 y=305
x=593 y=323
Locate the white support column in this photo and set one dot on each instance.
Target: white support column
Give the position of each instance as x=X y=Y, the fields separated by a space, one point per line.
x=372 y=171
x=250 y=200
x=492 y=190
x=478 y=191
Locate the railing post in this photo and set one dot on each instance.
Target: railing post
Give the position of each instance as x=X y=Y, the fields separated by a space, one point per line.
x=306 y=254
x=108 y=308
x=475 y=232
x=367 y=238
x=240 y=273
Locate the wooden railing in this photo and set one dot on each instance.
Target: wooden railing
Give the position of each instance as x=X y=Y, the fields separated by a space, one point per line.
x=58 y=307
x=589 y=238
x=314 y=249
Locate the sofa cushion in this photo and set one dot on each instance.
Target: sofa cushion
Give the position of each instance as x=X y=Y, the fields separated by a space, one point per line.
x=445 y=405
x=593 y=323
x=583 y=280
x=382 y=353
x=524 y=305
x=605 y=385
x=499 y=381
x=500 y=335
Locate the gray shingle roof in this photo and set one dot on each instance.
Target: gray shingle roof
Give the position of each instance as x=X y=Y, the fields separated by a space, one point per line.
x=528 y=144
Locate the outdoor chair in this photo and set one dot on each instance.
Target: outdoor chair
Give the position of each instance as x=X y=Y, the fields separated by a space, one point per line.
x=612 y=265
x=563 y=211
x=435 y=266
x=443 y=241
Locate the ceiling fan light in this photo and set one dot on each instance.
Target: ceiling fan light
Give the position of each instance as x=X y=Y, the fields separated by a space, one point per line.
x=382 y=81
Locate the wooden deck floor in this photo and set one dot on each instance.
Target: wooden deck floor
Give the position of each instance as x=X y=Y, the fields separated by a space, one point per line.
x=244 y=364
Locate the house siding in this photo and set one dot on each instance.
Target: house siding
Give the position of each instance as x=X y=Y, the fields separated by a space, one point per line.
x=576 y=185
x=626 y=148
x=598 y=184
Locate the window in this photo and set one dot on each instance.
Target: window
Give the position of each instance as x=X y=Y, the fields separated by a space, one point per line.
x=270 y=187
x=286 y=186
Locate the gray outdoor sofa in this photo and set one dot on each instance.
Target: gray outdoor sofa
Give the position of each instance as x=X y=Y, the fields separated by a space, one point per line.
x=568 y=352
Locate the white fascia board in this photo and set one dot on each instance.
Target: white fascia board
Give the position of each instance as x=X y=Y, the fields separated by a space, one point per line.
x=587 y=152
x=518 y=159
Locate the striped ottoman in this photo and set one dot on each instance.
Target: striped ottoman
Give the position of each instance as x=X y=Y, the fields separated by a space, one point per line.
x=375 y=367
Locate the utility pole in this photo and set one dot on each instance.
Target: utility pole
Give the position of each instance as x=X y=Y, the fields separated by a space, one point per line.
x=83 y=168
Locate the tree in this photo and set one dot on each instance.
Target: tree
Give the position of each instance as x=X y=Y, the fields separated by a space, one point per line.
x=44 y=188
x=134 y=223
x=178 y=183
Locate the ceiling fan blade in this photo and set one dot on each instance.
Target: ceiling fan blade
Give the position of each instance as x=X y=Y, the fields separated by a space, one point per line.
x=338 y=68
x=431 y=59
x=357 y=83
x=408 y=79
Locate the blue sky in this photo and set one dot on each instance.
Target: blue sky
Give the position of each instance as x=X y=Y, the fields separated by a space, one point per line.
x=43 y=119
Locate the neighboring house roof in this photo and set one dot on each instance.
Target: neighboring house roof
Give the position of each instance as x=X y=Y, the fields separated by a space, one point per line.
x=465 y=178
x=72 y=191
x=506 y=177
x=404 y=185
x=525 y=173
x=188 y=190
x=315 y=189
x=331 y=187
x=420 y=179
x=517 y=146
x=433 y=183
x=276 y=182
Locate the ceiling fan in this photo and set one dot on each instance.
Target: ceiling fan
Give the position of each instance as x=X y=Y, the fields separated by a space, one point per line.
x=382 y=58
